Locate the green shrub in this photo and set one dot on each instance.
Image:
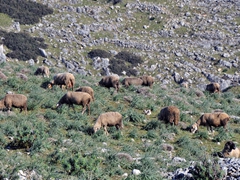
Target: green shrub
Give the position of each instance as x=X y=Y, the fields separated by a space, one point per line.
x=25 y=12
x=3 y=140
x=151 y=134
x=148 y=169
x=222 y=135
x=8 y=128
x=236 y=130
x=117 y=66
x=117 y=135
x=189 y=148
x=78 y=164
x=208 y=168
x=23 y=46
x=133 y=116
x=129 y=57
x=115 y=1
x=99 y=53
x=154 y=124
x=133 y=133
x=202 y=135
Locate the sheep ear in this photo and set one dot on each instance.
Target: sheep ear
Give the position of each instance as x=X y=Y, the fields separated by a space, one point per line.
x=233 y=146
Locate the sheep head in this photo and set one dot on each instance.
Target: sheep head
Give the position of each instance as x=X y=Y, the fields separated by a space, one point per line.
x=95 y=129
x=194 y=128
x=50 y=85
x=229 y=146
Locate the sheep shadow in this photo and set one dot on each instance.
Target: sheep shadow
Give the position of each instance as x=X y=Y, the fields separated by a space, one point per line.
x=88 y=131
x=44 y=85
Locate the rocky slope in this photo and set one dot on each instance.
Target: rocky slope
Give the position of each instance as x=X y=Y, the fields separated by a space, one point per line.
x=193 y=41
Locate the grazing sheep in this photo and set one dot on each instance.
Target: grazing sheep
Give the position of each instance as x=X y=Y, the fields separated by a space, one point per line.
x=42 y=70
x=213 y=88
x=230 y=150
x=63 y=79
x=132 y=81
x=170 y=114
x=14 y=100
x=78 y=98
x=215 y=119
x=86 y=89
x=110 y=81
x=108 y=119
x=147 y=81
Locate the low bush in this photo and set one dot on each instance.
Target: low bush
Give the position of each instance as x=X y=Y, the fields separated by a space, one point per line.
x=154 y=124
x=222 y=135
x=207 y=168
x=25 y=12
x=119 y=66
x=133 y=116
x=99 y=53
x=23 y=46
x=129 y=57
x=202 y=135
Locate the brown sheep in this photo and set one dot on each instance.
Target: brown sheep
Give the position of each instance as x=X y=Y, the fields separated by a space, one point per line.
x=42 y=70
x=108 y=119
x=78 y=98
x=230 y=150
x=110 y=81
x=215 y=119
x=63 y=79
x=86 y=89
x=213 y=88
x=170 y=114
x=147 y=81
x=14 y=100
x=132 y=81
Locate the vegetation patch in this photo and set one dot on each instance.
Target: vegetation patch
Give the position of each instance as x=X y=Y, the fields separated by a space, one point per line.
x=99 y=53
x=23 y=46
x=24 y=12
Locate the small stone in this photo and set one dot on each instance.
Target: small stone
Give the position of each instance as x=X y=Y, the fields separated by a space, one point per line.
x=136 y=172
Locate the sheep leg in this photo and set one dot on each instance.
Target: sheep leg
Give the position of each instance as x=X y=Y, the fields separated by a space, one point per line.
x=211 y=129
x=8 y=110
x=84 y=109
x=105 y=129
x=88 y=106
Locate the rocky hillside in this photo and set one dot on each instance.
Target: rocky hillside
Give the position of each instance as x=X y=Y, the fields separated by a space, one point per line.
x=188 y=41
x=193 y=41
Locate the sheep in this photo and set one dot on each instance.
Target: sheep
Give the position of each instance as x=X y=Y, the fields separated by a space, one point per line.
x=170 y=114
x=147 y=81
x=215 y=119
x=78 y=98
x=110 y=81
x=63 y=79
x=42 y=70
x=230 y=150
x=86 y=89
x=108 y=119
x=213 y=88
x=132 y=81
x=14 y=100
